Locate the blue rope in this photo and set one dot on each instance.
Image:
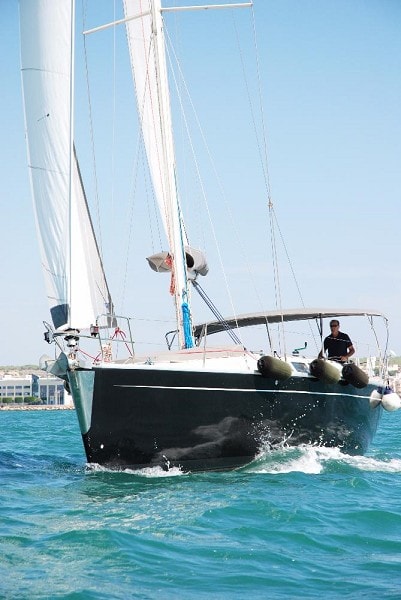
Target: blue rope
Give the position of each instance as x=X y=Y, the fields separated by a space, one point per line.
x=186 y=321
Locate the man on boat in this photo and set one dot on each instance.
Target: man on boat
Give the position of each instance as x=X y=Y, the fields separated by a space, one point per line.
x=338 y=345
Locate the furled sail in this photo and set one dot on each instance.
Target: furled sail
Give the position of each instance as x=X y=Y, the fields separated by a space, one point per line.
x=147 y=55
x=75 y=281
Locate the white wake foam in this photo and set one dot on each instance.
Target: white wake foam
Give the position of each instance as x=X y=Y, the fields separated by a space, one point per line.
x=152 y=472
x=315 y=460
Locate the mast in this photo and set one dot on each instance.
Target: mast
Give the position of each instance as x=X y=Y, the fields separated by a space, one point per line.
x=174 y=216
x=146 y=41
x=71 y=162
x=145 y=32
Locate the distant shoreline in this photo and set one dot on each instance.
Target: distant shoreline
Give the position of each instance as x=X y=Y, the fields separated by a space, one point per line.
x=38 y=407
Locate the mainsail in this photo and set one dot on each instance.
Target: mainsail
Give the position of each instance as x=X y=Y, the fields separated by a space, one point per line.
x=147 y=53
x=75 y=281
x=146 y=43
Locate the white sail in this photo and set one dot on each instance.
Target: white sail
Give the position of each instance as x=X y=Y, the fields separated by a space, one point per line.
x=147 y=53
x=76 y=286
x=148 y=66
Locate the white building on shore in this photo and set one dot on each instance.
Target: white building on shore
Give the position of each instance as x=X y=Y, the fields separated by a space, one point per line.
x=47 y=389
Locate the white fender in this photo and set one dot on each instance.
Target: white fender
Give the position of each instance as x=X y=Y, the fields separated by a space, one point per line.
x=375 y=399
x=391 y=402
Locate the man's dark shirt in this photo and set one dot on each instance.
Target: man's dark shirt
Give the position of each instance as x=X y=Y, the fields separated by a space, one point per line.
x=337 y=346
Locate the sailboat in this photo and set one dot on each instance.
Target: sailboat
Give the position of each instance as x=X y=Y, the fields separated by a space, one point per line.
x=194 y=405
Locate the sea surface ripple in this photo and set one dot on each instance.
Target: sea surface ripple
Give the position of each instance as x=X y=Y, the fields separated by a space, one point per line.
x=304 y=522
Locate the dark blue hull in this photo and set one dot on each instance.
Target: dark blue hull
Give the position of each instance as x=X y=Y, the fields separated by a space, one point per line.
x=209 y=421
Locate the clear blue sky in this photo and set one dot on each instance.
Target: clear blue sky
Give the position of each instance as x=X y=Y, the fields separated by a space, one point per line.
x=331 y=73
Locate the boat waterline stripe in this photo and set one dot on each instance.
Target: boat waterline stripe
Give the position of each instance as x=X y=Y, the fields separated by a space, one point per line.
x=217 y=389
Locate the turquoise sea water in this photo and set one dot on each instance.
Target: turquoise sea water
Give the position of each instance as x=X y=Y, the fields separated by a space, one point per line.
x=297 y=523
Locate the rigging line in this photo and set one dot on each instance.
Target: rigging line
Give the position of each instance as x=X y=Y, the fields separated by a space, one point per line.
x=265 y=168
x=130 y=221
x=276 y=280
x=141 y=102
x=163 y=165
x=263 y=160
x=92 y=137
x=383 y=359
x=216 y=312
x=140 y=144
x=260 y=96
x=122 y=277
x=138 y=154
x=195 y=160
x=264 y=164
x=293 y=274
x=176 y=233
x=113 y=142
x=386 y=357
x=222 y=192
x=185 y=121
x=141 y=115
x=194 y=157
x=153 y=213
x=200 y=232
x=263 y=157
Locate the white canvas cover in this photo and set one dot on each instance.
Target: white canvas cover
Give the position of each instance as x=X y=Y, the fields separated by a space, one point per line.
x=195 y=259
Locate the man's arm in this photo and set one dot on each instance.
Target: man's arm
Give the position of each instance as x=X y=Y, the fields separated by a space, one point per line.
x=322 y=350
x=350 y=352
